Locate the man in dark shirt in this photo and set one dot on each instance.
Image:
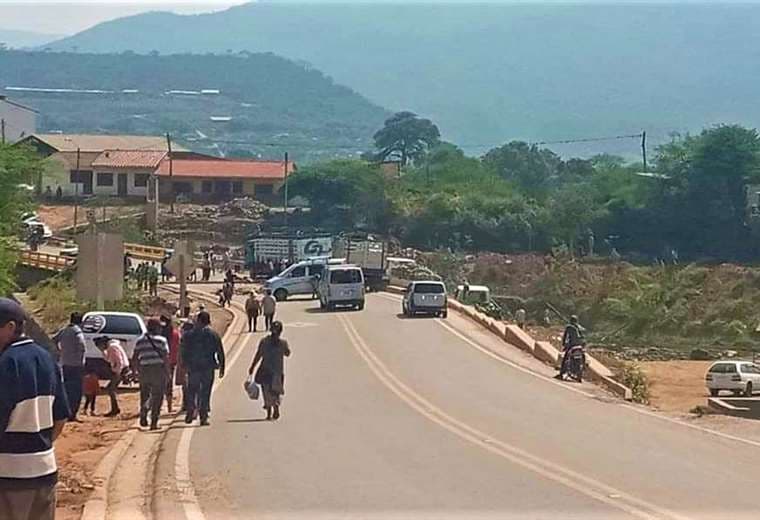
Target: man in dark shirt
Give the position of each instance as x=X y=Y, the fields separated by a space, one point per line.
x=71 y=345
x=202 y=353
x=33 y=410
x=572 y=337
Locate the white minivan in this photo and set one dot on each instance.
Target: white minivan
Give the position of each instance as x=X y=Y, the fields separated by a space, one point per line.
x=341 y=285
x=299 y=278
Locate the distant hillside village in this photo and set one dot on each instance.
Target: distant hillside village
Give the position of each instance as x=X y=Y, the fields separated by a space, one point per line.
x=122 y=165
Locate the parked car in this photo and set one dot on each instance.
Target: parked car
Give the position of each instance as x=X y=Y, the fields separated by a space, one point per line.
x=425 y=297
x=127 y=327
x=341 y=285
x=739 y=377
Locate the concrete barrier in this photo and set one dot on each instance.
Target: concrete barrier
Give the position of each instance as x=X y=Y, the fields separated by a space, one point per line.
x=545 y=351
x=541 y=350
x=519 y=338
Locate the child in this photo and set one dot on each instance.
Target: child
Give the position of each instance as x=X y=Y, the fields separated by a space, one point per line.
x=91 y=387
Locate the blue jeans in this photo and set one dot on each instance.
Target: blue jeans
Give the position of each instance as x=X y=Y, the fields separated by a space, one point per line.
x=199 y=385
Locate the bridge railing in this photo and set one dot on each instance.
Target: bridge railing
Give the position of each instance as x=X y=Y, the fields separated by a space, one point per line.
x=45 y=261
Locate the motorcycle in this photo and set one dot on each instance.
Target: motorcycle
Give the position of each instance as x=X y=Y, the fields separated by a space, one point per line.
x=576 y=363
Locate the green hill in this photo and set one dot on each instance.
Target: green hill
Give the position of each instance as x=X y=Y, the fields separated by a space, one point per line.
x=275 y=105
x=490 y=72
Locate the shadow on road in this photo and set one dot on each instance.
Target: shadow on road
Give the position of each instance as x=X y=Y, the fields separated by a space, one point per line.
x=259 y=419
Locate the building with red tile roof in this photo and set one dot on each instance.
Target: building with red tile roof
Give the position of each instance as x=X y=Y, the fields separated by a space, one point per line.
x=222 y=178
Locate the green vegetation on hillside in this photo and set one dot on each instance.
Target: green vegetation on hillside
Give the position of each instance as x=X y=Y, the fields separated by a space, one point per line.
x=520 y=198
x=18 y=166
x=275 y=105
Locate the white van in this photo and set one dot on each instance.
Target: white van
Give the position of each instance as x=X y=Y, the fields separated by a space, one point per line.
x=299 y=278
x=341 y=285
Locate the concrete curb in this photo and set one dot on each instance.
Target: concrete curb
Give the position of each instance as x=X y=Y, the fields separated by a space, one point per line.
x=541 y=350
x=96 y=506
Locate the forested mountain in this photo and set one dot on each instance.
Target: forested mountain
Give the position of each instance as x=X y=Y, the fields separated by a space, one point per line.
x=488 y=73
x=275 y=105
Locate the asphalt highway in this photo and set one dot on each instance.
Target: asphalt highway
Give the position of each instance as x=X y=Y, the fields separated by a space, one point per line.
x=393 y=417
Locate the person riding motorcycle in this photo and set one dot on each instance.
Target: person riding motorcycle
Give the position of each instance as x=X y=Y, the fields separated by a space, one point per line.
x=572 y=337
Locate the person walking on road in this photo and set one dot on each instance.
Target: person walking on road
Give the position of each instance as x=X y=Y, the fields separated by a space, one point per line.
x=172 y=337
x=252 y=309
x=269 y=307
x=271 y=373
x=153 y=280
x=71 y=346
x=151 y=357
x=33 y=411
x=119 y=363
x=202 y=353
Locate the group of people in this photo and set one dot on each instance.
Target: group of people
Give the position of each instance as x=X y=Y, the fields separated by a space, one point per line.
x=145 y=275
x=254 y=307
x=49 y=391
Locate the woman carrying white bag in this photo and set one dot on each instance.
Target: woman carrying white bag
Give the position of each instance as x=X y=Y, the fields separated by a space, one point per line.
x=271 y=373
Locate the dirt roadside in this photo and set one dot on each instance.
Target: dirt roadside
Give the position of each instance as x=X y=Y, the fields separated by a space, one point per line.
x=58 y=217
x=82 y=445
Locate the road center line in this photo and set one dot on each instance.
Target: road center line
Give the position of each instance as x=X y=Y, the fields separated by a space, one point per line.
x=632 y=407
x=545 y=468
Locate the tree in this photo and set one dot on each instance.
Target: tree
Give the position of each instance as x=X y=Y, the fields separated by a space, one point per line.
x=572 y=211
x=406 y=136
x=18 y=165
x=344 y=194
x=704 y=195
x=531 y=168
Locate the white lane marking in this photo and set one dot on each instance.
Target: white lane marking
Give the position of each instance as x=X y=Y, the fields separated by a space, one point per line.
x=634 y=408
x=543 y=467
x=188 y=497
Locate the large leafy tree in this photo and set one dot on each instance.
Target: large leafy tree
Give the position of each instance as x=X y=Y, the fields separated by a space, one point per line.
x=19 y=167
x=406 y=136
x=531 y=168
x=344 y=194
x=703 y=202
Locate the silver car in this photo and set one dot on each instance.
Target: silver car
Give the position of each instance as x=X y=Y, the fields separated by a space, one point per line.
x=425 y=297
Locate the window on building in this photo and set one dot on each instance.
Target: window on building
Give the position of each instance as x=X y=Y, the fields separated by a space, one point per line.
x=237 y=187
x=105 y=179
x=207 y=186
x=75 y=176
x=182 y=187
x=264 y=189
x=141 y=180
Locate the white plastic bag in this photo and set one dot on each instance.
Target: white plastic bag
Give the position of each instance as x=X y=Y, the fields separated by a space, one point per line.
x=251 y=388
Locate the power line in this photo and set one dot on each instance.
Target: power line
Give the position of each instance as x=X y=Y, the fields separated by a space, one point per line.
x=590 y=139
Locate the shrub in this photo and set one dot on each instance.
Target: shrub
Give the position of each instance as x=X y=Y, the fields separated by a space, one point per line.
x=632 y=376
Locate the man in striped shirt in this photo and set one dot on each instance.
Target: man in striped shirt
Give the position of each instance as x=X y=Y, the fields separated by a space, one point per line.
x=151 y=358
x=33 y=410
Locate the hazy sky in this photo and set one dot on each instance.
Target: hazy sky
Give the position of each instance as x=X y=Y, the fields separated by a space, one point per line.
x=67 y=17
x=60 y=17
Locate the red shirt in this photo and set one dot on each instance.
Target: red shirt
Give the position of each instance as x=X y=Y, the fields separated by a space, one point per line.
x=174 y=346
x=90 y=384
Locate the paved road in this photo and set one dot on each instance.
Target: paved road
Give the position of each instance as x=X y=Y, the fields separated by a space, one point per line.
x=387 y=417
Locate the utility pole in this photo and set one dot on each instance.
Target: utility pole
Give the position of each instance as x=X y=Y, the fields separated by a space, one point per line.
x=2 y=129
x=644 y=148
x=171 y=171
x=76 y=194
x=183 y=305
x=285 y=203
